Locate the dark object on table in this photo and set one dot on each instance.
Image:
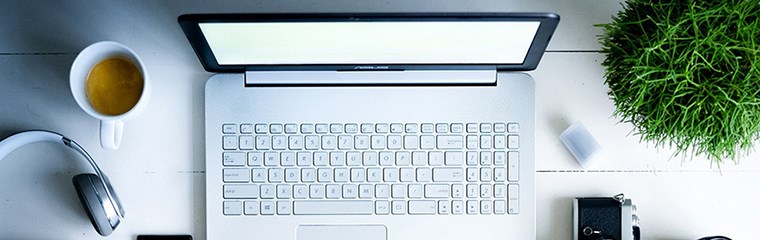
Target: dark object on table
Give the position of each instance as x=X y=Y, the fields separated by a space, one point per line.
x=605 y=218
x=164 y=237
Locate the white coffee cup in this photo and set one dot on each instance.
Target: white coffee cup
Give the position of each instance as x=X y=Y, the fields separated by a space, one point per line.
x=111 y=127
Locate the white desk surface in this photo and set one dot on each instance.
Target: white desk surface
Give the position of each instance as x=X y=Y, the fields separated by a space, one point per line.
x=159 y=169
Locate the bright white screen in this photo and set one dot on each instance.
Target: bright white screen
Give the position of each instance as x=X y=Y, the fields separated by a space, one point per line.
x=479 y=42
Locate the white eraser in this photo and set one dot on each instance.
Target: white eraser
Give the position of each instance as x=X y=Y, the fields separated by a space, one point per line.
x=581 y=144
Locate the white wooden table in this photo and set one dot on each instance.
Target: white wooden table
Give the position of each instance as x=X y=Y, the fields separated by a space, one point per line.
x=159 y=169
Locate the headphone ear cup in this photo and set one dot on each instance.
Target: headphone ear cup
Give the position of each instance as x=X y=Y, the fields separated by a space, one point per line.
x=93 y=195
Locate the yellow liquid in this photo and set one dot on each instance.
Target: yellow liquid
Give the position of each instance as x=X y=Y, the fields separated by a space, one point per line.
x=114 y=86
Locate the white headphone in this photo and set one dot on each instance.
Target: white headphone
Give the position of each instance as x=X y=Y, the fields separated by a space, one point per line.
x=95 y=191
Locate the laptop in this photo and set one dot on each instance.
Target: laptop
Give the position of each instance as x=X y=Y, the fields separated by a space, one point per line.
x=370 y=125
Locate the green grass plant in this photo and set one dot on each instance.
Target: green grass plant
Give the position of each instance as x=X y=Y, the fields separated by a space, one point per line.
x=686 y=74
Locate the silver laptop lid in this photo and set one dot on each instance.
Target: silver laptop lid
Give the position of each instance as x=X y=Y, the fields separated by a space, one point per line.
x=277 y=43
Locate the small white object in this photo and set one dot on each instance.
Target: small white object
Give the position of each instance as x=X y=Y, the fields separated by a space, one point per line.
x=581 y=144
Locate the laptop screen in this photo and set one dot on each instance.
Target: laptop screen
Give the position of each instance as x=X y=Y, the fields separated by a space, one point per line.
x=430 y=42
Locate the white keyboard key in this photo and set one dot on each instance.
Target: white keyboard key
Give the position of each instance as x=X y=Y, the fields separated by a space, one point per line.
x=284 y=208
x=321 y=128
x=499 y=127
x=324 y=175
x=352 y=128
x=229 y=129
x=441 y=128
x=329 y=142
x=267 y=191
x=341 y=175
x=427 y=142
x=427 y=128
x=387 y=158
x=378 y=142
x=353 y=159
x=233 y=208
x=255 y=159
x=366 y=191
x=472 y=190
x=415 y=191
x=397 y=128
x=271 y=159
x=500 y=142
x=411 y=142
x=403 y=158
x=382 y=207
x=374 y=175
x=457 y=191
x=336 y=128
x=486 y=142
x=345 y=142
x=236 y=175
x=457 y=207
x=241 y=191
x=457 y=128
x=390 y=175
x=291 y=128
x=312 y=142
x=472 y=142
x=398 y=191
x=447 y=174
x=424 y=175
x=337 y=158
x=229 y=142
x=411 y=127
x=276 y=175
x=300 y=191
x=454 y=158
x=485 y=175
x=321 y=158
x=513 y=127
x=316 y=191
x=275 y=128
x=261 y=128
x=263 y=142
x=513 y=166
x=444 y=207
x=500 y=190
x=394 y=142
x=437 y=191
x=472 y=207
x=472 y=174
x=486 y=207
x=382 y=191
x=513 y=141
x=233 y=159
x=307 y=128
x=308 y=175
x=486 y=158
x=368 y=128
x=284 y=191
x=350 y=191
x=422 y=207
x=295 y=142
x=381 y=128
x=357 y=175
x=435 y=158
x=246 y=142
x=268 y=207
x=351 y=207
x=251 y=207
x=361 y=142
x=369 y=158
x=472 y=127
x=406 y=174
x=450 y=142
x=292 y=175
x=499 y=158
x=499 y=207
x=259 y=175
x=333 y=191
x=419 y=158
x=288 y=159
x=485 y=190
x=485 y=127
x=513 y=200
x=399 y=207
x=499 y=174
x=472 y=158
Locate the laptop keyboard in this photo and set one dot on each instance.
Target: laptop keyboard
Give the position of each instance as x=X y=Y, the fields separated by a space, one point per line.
x=370 y=169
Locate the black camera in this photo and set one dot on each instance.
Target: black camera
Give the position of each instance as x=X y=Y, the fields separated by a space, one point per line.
x=605 y=219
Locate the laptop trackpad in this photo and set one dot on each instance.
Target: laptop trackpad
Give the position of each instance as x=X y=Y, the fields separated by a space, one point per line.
x=341 y=232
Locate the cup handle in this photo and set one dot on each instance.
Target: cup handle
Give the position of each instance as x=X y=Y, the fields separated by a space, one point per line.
x=110 y=134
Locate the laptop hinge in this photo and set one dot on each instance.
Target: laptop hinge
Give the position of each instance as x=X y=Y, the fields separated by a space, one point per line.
x=374 y=77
